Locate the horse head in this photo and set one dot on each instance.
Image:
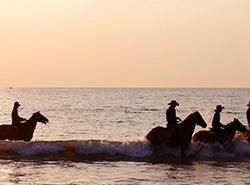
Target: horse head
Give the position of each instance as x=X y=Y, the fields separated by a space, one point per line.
x=193 y=119
x=239 y=126
x=199 y=120
x=40 y=118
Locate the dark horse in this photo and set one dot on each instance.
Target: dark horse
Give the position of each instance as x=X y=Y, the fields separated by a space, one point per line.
x=212 y=137
x=10 y=133
x=185 y=131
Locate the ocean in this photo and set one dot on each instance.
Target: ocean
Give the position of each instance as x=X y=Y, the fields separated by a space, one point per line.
x=97 y=136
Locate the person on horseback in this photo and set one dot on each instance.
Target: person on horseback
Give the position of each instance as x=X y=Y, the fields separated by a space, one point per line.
x=216 y=124
x=16 y=119
x=172 y=120
x=248 y=114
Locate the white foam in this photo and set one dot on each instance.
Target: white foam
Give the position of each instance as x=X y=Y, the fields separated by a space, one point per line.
x=136 y=149
x=132 y=149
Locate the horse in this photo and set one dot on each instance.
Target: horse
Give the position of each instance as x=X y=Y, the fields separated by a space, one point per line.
x=10 y=133
x=185 y=129
x=212 y=137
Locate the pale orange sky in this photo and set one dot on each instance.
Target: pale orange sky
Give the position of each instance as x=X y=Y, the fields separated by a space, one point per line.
x=124 y=43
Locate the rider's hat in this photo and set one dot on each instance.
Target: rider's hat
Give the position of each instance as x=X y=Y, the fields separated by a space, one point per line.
x=173 y=102
x=219 y=107
x=16 y=104
x=248 y=104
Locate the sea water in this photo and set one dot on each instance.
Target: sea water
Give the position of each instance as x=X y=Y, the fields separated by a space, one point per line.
x=97 y=136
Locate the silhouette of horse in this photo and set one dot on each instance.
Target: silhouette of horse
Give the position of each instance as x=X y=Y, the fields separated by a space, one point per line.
x=212 y=137
x=185 y=131
x=10 y=133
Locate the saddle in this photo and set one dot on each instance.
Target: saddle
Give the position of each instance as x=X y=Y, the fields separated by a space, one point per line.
x=212 y=132
x=14 y=127
x=217 y=136
x=18 y=130
x=166 y=133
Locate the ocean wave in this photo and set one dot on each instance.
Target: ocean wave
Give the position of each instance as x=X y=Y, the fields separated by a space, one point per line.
x=76 y=147
x=96 y=149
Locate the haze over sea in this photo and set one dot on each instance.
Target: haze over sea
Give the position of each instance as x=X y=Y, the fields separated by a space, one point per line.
x=96 y=136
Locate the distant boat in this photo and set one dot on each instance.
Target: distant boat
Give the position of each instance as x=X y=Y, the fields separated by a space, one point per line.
x=11 y=88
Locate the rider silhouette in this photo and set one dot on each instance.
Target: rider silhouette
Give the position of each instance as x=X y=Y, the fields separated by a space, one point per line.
x=172 y=119
x=217 y=125
x=248 y=114
x=16 y=120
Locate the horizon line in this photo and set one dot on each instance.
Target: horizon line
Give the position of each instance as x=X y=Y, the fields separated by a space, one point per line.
x=53 y=87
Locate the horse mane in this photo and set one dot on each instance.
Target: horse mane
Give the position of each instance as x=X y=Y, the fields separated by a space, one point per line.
x=233 y=124
x=185 y=120
x=27 y=121
x=229 y=125
x=36 y=112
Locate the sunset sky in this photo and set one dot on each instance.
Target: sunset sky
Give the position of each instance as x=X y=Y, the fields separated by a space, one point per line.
x=124 y=43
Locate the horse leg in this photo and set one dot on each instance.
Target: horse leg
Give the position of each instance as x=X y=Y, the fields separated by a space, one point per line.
x=182 y=151
x=184 y=147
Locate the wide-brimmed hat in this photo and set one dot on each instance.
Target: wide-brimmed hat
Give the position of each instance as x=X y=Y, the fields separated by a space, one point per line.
x=248 y=104
x=16 y=104
x=173 y=102
x=219 y=107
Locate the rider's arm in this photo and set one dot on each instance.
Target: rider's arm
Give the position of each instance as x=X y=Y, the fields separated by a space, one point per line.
x=221 y=125
x=22 y=119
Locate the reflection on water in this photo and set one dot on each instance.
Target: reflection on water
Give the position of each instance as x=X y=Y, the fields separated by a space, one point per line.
x=167 y=169
x=200 y=170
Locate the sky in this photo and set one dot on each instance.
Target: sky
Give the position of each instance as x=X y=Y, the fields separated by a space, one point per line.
x=125 y=43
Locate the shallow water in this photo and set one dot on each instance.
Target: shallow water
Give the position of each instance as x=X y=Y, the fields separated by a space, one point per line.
x=96 y=136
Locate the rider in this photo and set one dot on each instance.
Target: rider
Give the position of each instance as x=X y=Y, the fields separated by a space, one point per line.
x=216 y=124
x=172 y=119
x=16 y=120
x=248 y=114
